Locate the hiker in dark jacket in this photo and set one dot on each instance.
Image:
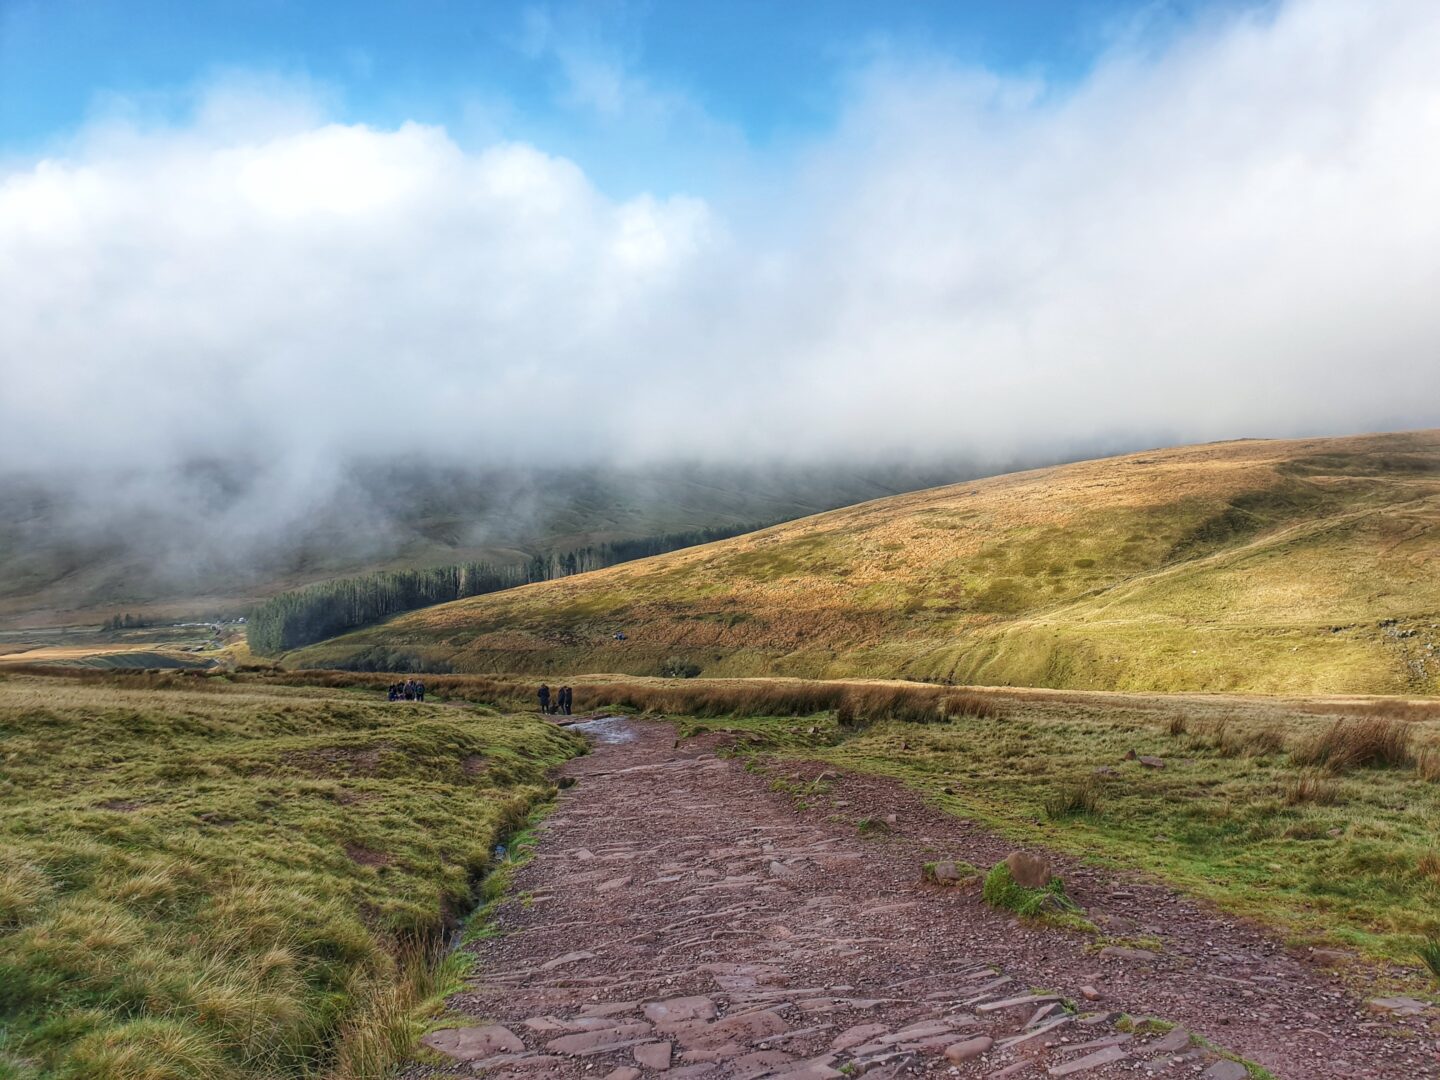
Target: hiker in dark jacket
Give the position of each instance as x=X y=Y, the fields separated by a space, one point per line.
x=545 y=699
x=567 y=696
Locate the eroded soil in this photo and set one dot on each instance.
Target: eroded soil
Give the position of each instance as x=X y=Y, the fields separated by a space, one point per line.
x=683 y=918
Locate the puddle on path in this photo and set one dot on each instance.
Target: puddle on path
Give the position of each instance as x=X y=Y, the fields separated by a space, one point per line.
x=606 y=729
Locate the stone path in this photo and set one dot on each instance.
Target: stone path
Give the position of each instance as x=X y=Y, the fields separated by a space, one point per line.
x=683 y=919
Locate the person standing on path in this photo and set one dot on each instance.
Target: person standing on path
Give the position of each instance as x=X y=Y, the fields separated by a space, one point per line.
x=544 y=700
x=566 y=696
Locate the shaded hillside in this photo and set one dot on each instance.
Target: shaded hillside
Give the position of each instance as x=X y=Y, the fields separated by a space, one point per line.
x=211 y=538
x=1281 y=566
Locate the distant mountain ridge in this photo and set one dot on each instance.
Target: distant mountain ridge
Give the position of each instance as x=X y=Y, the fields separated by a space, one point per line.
x=1278 y=566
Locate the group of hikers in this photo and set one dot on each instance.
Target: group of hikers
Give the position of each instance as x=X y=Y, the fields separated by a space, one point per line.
x=409 y=690
x=558 y=703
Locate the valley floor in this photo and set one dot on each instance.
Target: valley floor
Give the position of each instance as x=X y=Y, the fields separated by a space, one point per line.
x=684 y=914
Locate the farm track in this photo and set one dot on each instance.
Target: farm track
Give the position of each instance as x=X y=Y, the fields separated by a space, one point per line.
x=681 y=918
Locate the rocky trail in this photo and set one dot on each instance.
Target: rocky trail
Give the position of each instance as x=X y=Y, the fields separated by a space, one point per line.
x=681 y=918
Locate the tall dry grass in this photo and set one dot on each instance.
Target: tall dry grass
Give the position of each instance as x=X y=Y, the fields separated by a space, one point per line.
x=854 y=703
x=1357 y=742
x=1427 y=764
x=1312 y=786
x=1384 y=708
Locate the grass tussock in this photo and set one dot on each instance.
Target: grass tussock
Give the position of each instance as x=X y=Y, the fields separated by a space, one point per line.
x=1427 y=764
x=1230 y=738
x=1429 y=953
x=395 y=1014
x=1001 y=890
x=1080 y=799
x=1358 y=742
x=1313 y=787
x=234 y=881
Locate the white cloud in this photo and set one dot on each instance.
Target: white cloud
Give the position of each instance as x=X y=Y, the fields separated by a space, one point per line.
x=1237 y=235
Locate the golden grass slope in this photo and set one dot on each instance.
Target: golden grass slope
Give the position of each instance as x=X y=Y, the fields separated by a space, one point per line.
x=1295 y=566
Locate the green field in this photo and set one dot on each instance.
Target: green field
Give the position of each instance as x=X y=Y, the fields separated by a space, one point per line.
x=1300 y=566
x=216 y=880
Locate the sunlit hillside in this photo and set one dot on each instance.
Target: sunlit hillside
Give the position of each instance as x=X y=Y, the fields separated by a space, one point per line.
x=1279 y=566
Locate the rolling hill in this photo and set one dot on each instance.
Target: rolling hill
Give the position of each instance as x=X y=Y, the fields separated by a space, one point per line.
x=1296 y=566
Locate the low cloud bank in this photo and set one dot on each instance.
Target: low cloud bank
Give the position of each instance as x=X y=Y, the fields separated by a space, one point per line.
x=1237 y=235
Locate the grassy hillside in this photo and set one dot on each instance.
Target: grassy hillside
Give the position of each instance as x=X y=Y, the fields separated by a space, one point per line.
x=218 y=881
x=1298 y=566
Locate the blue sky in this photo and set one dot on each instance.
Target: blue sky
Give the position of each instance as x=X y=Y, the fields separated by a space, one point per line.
x=635 y=91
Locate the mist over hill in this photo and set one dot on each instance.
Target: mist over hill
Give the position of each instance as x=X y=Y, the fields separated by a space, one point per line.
x=208 y=537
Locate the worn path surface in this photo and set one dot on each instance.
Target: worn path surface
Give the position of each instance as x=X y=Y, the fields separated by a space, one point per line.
x=683 y=919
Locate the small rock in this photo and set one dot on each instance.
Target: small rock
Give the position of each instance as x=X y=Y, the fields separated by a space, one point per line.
x=855 y=1036
x=1152 y=762
x=1042 y=1014
x=947 y=872
x=1090 y=993
x=585 y=1042
x=1123 y=952
x=1175 y=1040
x=678 y=1010
x=1010 y=1003
x=1089 y=1061
x=608 y=1008
x=1226 y=1070
x=1130 y=755
x=970 y=1048
x=759 y=1063
x=568 y=958
x=473 y=1043
x=1398 y=1006
x=1029 y=871
x=654 y=1055
x=624 y=1072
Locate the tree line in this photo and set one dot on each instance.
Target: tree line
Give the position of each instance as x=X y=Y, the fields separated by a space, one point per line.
x=125 y=622
x=300 y=617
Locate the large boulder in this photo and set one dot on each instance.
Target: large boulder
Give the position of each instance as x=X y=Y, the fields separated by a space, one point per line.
x=1029 y=871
